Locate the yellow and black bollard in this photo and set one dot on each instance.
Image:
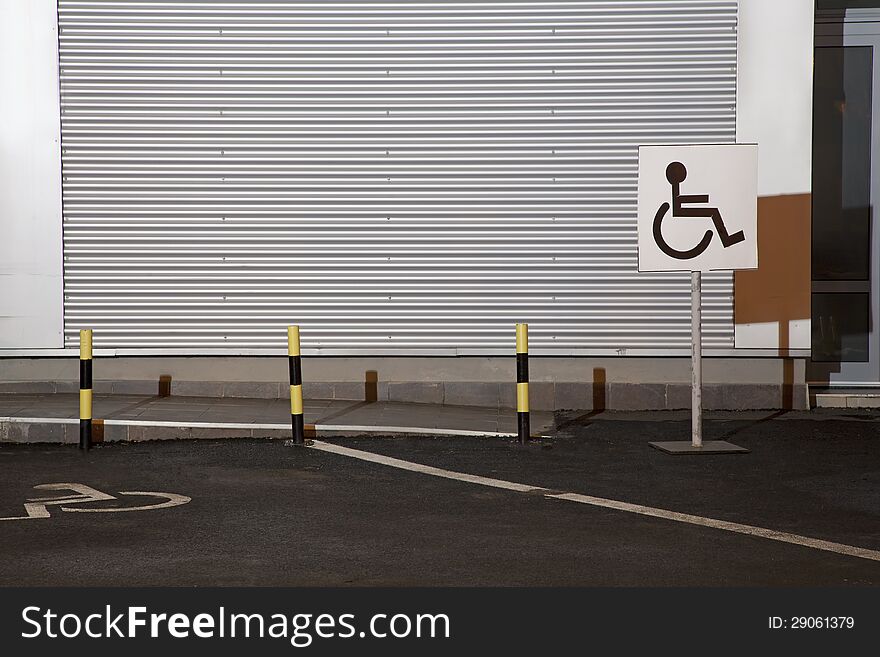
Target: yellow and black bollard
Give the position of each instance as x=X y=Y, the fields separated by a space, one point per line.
x=296 y=392
x=85 y=389
x=522 y=381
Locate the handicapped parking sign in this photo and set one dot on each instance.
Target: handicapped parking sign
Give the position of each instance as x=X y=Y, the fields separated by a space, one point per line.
x=697 y=208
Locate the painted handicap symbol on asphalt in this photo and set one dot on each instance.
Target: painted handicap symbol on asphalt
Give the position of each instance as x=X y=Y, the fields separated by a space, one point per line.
x=38 y=507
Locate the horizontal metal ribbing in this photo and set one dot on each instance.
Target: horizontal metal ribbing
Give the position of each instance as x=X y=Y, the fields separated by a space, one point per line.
x=411 y=176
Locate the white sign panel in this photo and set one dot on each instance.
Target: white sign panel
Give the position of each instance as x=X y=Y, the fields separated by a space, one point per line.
x=698 y=207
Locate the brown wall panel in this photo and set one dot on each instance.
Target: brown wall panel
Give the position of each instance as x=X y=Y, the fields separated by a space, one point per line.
x=779 y=290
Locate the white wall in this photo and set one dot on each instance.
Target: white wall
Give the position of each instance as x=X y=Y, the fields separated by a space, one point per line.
x=31 y=283
x=774 y=105
x=775 y=110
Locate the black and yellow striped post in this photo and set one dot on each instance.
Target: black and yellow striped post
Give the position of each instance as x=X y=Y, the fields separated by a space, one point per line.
x=85 y=389
x=296 y=392
x=522 y=381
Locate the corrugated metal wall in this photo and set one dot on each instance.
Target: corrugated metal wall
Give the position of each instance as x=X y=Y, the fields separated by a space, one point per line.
x=411 y=176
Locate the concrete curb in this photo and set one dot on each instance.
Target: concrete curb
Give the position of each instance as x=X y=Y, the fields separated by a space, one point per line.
x=66 y=430
x=543 y=395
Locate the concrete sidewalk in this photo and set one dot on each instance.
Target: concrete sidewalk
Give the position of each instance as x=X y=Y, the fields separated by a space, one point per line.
x=54 y=418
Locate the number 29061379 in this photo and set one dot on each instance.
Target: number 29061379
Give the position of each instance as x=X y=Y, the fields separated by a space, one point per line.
x=811 y=623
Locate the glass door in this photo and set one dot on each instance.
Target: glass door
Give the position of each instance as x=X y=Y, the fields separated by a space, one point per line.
x=845 y=239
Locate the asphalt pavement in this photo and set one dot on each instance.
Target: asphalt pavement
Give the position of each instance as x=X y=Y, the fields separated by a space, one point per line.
x=266 y=513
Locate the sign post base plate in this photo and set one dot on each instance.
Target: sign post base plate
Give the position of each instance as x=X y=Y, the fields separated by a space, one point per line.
x=677 y=447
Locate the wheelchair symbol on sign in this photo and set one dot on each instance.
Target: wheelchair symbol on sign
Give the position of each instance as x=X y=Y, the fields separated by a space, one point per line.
x=676 y=173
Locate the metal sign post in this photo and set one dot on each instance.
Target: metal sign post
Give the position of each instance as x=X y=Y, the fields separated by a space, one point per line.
x=697 y=212
x=696 y=361
x=696 y=444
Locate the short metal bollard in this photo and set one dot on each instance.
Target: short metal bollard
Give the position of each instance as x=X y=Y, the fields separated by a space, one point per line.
x=522 y=381
x=85 y=389
x=296 y=396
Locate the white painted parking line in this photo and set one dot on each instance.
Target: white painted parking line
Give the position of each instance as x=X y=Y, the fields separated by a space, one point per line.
x=428 y=431
x=626 y=507
x=749 y=530
x=40 y=420
x=236 y=426
x=424 y=469
x=194 y=425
